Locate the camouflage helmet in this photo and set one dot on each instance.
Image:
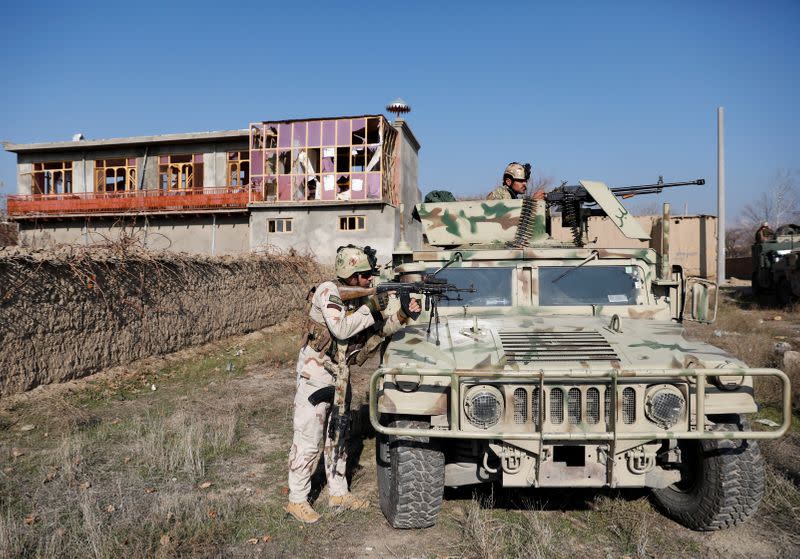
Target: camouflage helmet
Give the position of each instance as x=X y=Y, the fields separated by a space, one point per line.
x=351 y=259
x=517 y=171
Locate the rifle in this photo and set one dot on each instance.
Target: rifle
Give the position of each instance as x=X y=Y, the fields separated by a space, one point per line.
x=434 y=289
x=339 y=422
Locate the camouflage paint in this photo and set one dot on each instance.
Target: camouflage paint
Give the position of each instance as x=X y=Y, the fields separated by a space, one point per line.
x=418 y=377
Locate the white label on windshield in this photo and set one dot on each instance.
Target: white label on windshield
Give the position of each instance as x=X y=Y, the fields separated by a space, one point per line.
x=637 y=285
x=628 y=269
x=617 y=298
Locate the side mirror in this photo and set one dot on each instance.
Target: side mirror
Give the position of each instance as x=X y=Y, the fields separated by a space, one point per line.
x=700 y=300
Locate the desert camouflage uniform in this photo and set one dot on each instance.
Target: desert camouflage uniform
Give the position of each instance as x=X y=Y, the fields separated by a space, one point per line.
x=342 y=320
x=501 y=193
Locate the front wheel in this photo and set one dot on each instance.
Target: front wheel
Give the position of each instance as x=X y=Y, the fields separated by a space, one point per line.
x=722 y=485
x=410 y=477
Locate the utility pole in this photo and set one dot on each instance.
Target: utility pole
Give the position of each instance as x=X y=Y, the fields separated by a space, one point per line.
x=720 y=195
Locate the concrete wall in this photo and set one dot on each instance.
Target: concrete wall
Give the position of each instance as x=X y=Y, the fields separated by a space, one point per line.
x=407 y=161
x=315 y=229
x=211 y=234
x=692 y=239
x=72 y=312
x=740 y=267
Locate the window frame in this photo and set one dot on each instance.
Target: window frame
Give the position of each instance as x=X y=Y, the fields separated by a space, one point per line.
x=47 y=172
x=128 y=170
x=234 y=162
x=280 y=225
x=173 y=166
x=358 y=218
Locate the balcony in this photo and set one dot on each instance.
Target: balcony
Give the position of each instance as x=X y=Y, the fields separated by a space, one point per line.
x=135 y=201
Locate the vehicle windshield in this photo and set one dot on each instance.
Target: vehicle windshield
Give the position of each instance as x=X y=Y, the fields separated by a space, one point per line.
x=588 y=285
x=492 y=286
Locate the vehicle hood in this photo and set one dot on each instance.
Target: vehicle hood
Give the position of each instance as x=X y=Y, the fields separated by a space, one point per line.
x=514 y=342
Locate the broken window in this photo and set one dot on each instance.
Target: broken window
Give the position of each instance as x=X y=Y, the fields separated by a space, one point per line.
x=333 y=159
x=238 y=168
x=256 y=136
x=180 y=172
x=115 y=175
x=352 y=223
x=279 y=225
x=54 y=177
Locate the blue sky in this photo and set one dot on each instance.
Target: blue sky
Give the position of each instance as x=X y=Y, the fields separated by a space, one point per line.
x=616 y=91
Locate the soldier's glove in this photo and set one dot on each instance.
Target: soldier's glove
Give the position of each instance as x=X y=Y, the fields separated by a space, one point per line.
x=405 y=311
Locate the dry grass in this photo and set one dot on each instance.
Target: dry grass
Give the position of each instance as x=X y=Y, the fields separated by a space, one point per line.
x=749 y=331
x=781 y=507
x=182 y=444
x=490 y=533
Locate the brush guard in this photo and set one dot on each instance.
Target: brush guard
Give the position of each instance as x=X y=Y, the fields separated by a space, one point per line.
x=695 y=403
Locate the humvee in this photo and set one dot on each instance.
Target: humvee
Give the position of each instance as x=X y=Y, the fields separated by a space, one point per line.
x=566 y=367
x=776 y=264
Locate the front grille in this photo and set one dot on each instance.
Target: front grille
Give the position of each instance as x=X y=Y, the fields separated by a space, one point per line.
x=525 y=346
x=536 y=416
x=628 y=406
x=593 y=406
x=575 y=404
x=556 y=406
x=520 y=406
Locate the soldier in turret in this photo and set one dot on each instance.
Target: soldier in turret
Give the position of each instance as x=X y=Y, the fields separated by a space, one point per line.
x=515 y=182
x=764 y=233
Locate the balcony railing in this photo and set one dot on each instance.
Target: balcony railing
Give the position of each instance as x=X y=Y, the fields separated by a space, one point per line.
x=134 y=201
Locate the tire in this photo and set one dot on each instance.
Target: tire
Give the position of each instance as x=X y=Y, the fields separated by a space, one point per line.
x=784 y=292
x=410 y=478
x=723 y=485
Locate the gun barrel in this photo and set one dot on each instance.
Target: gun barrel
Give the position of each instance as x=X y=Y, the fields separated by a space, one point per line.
x=653 y=188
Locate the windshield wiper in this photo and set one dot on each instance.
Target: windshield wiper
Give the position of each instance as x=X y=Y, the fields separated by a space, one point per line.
x=592 y=256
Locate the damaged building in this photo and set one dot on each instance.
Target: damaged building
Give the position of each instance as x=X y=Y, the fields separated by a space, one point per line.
x=307 y=185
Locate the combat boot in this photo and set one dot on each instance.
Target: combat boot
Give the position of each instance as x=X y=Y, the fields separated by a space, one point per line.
x=303 y=512
x=348 y=501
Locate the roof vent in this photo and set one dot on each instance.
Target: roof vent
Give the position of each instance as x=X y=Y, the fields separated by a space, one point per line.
x=78 y=137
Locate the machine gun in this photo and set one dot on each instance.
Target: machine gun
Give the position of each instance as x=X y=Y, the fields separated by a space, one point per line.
x=435 y=289
x=575 y=203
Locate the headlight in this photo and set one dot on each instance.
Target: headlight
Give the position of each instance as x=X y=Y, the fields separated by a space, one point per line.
x=483 y=406
x=664 y=405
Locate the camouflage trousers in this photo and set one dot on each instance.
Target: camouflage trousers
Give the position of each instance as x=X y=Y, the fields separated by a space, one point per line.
x=310 y=429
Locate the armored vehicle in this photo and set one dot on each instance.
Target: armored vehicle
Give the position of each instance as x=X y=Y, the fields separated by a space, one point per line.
x=776 y=266
x=566 y=366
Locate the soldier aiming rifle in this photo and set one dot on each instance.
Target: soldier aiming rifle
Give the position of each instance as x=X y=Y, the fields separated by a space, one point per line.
x=335 y=335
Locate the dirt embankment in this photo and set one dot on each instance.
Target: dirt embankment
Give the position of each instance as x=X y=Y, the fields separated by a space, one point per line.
x=70 y=312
